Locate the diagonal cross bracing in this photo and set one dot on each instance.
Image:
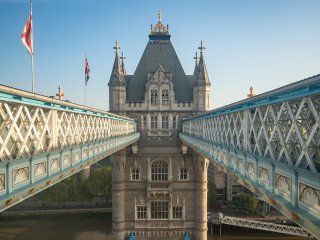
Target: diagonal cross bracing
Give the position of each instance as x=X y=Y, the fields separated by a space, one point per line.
x=44 y=140
x=270 y=144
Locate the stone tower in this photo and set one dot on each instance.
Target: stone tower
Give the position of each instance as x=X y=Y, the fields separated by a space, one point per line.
x=201 y=87
x=159 y=185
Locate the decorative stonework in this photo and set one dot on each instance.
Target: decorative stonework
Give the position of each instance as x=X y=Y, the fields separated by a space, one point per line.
x=66 y=160
x=264 y=176
x=309 y=196
x=77 y=157
x=85 y=153
x=20 y=175
x=55 y=164
x=2 y=181
x=250 y=169
x=40 y=169
x=283 y=184
x=240 y=164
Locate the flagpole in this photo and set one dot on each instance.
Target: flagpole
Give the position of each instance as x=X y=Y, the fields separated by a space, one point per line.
x=32 y=55
x=85 y=80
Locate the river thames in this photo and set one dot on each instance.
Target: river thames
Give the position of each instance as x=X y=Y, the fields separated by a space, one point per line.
x=94 y=228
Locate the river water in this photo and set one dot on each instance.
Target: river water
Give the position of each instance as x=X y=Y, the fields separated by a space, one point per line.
x=93 y=228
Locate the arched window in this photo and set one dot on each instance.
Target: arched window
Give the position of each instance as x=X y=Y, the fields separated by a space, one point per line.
x=159 y=171
x=154 y=97
x=165 y=97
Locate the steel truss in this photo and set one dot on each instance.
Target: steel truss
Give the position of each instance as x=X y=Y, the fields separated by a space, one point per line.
x=266 y=226
x=43 y=141
x=270 y=144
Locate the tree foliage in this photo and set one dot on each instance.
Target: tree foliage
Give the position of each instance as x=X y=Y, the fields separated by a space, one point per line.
x=248 y=202
x=212 y=195
x=71 y=189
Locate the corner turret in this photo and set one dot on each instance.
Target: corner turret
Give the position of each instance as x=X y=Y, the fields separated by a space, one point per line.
x=117 y=84
x=201 y=87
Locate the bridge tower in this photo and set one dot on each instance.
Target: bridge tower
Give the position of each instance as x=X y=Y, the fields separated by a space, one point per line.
x=159 y=185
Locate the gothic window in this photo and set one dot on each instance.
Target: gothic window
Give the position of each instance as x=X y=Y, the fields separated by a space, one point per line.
x=183 y=174
x=154 y=97
x=154 y=122
x=159 y=171
x=165 y=97
x=141 y=212
x=135 y=174
x=159 y=209
x=177 y=212
x=165 y=122
x=174 y=122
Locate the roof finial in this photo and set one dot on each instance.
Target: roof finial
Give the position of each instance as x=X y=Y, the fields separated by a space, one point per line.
x=251 y=93
x=60 y=93
x=196 y=58
x=116 y=47
x=122 y=63
x=122 y=56
x=201 y=47
x=159 y=16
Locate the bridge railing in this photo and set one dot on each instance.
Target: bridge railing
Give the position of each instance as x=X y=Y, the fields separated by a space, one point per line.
x=269 y=142
x=44 y=140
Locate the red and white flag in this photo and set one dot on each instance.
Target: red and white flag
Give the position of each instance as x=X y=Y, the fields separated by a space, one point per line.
x=26 y=36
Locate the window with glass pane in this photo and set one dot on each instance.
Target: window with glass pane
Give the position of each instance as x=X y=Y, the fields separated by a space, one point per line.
x=135 y=174
x=165 y=96
x=174 y=122
x=183 y=174
x=165 y=122
x=154 y=96
x=159 y=171
x=154 y=122
x=159 y=209
x=177 y=212
x=141 y=212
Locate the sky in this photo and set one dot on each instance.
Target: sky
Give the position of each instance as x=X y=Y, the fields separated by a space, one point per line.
x=264 y=44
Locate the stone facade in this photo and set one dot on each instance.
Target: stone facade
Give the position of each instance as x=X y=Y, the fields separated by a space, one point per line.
x=159 y=186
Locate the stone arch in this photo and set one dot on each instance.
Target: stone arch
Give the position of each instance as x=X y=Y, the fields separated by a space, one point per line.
x=264 y=176
x=310 y=197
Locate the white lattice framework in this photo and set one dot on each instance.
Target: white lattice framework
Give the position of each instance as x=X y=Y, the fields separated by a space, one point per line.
x=44 y=140
x=266 y=226
x=30 y=130
x=270 y=144
x=286 y=132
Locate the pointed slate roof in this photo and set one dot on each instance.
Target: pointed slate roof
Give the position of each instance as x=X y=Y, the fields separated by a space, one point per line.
x=159 y=51
x=117 y=77
x=201 y=74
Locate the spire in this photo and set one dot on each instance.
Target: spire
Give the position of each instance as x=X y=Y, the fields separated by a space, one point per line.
x=122 y=63
x=116 y=77
x=196 y=62
x=201 y=74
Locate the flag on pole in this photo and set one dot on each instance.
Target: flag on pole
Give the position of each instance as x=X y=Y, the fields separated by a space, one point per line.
x=86 y=72
x=26 y=36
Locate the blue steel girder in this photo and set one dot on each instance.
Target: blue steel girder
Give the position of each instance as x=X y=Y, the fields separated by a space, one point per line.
x=44 y=140
x=270 y=144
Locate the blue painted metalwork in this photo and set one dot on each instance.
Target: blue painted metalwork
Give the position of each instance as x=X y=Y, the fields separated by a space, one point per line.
x=270 y=144
x=132 y=236
x=186 y=236
x=51 y=103
x=44 y=141
x=287 y=93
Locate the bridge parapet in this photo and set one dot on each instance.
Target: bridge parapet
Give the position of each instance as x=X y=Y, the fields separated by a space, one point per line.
x=44 y=140
x=271 y=144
